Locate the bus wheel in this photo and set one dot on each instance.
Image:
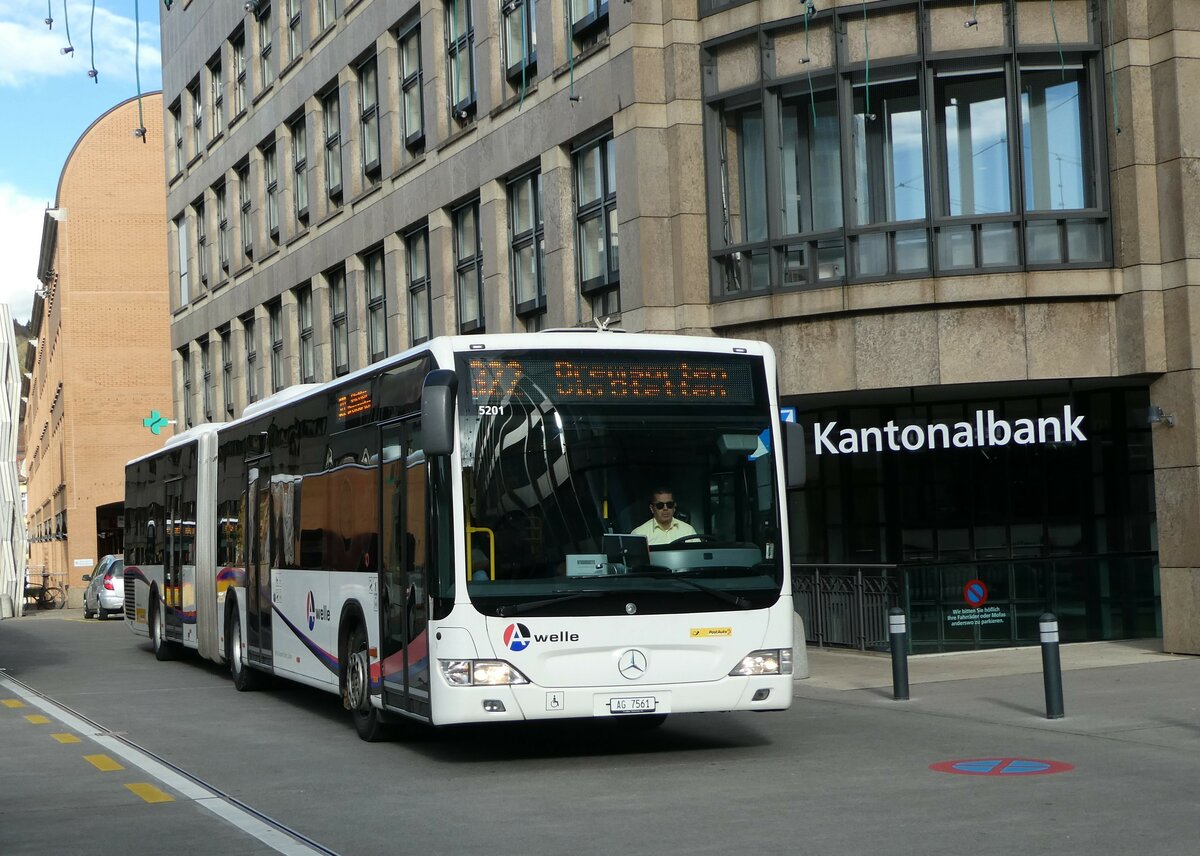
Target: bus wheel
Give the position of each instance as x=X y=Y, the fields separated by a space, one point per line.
x=163 y=650
x=356 y=688
x=244 y=678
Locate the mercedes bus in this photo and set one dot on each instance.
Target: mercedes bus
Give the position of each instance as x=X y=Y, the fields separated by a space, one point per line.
x=445 y=535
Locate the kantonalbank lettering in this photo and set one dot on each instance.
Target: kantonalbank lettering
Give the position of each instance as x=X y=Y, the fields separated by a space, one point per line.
x=985 y=430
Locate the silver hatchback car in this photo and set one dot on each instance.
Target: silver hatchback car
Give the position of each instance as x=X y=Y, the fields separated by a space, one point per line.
x=106 y=588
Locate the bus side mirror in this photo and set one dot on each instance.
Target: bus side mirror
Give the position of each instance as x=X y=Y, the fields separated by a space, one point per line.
x=437 y=411
x=794 y=454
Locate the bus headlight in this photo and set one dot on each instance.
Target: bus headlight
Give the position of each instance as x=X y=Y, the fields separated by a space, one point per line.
x=774 y=661
x=480 y=673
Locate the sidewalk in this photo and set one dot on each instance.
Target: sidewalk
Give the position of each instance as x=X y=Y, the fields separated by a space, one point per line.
x=842 y=669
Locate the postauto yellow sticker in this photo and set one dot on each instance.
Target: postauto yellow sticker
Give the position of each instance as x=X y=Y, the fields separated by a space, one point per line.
x=701 y=632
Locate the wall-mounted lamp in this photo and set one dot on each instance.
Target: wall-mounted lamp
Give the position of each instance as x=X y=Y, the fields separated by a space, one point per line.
x=1156 y=416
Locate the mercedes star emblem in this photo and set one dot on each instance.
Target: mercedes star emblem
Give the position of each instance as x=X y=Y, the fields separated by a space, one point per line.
x=632 y=664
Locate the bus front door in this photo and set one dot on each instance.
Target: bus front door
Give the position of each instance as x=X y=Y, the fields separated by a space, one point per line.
x=403 y=596
x=258 y=565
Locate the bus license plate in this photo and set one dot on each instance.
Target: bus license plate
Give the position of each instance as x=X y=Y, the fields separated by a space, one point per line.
x=637 y=704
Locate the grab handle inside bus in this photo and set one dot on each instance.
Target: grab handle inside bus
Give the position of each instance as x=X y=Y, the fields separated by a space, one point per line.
x=437 y=411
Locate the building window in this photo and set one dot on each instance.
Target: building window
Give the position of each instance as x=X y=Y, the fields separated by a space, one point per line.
x=304 y=320
x=812 y=194
x=951 y=168
x=588 y=17
x=185 y=361
x=227 y=371
x=295 y=29
x=420 y=301
x=331 y=115
x=201 y=242
x=251 y=343
x=376 y=305
x=275 y=326
x=468 y=266
x=177 y=135
x=596 y=225
x=246 y=222
x=326 y=14
x=181 y=248
x=340 y=332
x=271 y=176
x=368 y=118
x=206 y=381
x=460 y=57
x=411 y=79
x=527 y=244
x=300 y=170
x=216 y=99
x=520 y=39
x=197 y=117
x=266 y=35
x=222 y=227
x=239 y=73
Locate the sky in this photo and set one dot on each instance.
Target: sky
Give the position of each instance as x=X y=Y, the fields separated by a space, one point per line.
x=47 y=101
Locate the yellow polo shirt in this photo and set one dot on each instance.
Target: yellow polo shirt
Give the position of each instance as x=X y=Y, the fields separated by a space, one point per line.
x=656 y=536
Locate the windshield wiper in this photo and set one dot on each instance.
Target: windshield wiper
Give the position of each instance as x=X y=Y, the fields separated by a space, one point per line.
x=534 y=605
x=736 y=600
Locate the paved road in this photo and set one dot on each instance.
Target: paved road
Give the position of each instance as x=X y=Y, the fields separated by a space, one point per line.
x=845 y=771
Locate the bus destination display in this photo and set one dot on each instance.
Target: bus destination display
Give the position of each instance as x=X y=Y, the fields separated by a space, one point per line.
x=353 y=403
x=626 y=378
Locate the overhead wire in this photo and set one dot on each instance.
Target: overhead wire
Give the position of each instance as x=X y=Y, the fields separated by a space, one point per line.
x=92 y=73
x=70 y=48
x=137 y=69
x=1112 y=69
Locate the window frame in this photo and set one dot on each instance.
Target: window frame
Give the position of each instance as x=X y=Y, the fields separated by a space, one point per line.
x=249 y=338
x=375 y=291
x=420 y=292
x=468 y=264
x=603 y=207
x=266 y=46
x=331 y=112
x=298 y=129
x=594 y=18
x=206 y=377
x=295 y=11
x=270 y=161
x=412 y=86
x=533 y=237
x=181 y=258
x=197 y=104
x=176 y=111
x=367 y=74
x=339 y=321
x=226 y=335
x=460 y=42
x=216 y=99
x=221 y=194
x=200 y=215
x=275 y=328
x=238 y=50
x=245 y=211
x=185 y=368
x=304 y=325
x=525 y=65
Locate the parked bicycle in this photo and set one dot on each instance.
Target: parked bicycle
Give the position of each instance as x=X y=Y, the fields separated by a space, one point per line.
x=46 y=594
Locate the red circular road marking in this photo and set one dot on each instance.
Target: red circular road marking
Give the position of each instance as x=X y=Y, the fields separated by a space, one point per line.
x=1001 y=767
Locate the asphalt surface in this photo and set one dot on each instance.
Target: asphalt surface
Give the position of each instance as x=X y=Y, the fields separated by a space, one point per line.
x=846 y=770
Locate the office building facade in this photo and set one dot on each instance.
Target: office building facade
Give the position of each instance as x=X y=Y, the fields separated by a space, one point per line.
x=949 y=217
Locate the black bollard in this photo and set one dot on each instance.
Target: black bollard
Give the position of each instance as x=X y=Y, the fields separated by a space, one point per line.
x=1051 y=668
x=898 y=627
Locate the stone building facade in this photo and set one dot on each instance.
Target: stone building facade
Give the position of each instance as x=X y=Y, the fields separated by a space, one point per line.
x=931 y=208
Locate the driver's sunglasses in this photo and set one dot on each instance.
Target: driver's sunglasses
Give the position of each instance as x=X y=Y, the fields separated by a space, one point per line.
x=661 y=505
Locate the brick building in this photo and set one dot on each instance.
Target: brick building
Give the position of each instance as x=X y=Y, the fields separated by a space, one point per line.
x=101 y=326
x=933 y=209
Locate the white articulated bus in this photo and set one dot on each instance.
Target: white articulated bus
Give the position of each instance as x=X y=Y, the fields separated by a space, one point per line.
x=446 y=536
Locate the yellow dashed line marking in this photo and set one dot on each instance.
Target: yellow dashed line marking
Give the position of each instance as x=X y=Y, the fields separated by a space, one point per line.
x=103 y=763
x=149 y=793
x=13 y=702
x=38 y=719
x=65 y=738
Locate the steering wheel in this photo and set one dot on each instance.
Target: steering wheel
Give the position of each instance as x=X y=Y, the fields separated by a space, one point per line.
x=697 y=537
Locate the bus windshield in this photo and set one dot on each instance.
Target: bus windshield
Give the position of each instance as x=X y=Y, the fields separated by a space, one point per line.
x=564 y=456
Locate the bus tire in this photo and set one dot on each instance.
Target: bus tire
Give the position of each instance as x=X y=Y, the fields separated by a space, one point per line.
x=244 y=677
x=163 y=650
x=369 y=721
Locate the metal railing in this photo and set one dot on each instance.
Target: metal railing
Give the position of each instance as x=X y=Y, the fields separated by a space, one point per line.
x=44 y=589
x=846 y=605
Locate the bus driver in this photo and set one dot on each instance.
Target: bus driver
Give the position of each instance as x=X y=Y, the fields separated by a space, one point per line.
x=662 y=527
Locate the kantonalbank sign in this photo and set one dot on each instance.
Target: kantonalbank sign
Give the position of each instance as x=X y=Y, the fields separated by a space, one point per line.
x=986 y=430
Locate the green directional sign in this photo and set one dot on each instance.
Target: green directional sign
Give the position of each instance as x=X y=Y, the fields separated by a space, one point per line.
x=155 y=422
